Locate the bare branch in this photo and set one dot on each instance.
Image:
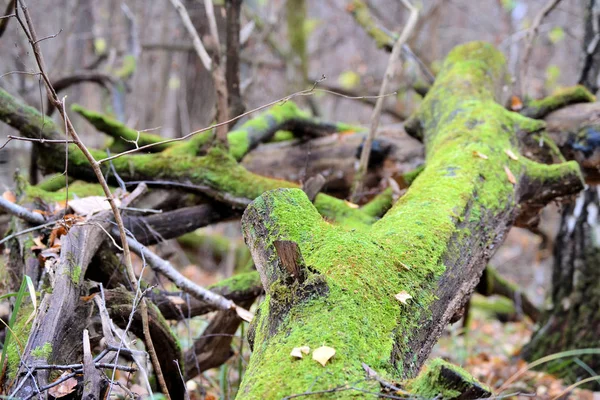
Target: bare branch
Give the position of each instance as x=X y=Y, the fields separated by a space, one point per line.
x=531 y=34
x=189 y=26
x=389 y=73
x=21 y=212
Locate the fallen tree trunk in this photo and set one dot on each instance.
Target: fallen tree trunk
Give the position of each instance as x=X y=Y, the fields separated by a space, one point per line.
x=347 y=288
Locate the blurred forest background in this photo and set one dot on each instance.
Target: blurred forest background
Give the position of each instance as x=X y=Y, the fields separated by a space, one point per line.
x=150 y=78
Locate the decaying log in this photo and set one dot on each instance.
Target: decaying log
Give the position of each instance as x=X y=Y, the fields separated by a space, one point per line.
x=432 y=245
x=394 y=153
x=56 y=330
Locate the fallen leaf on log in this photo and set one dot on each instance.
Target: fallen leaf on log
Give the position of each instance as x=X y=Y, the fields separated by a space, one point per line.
x=511 y=177
x=511 y=154
x=90 y=205
x=298 y=351
x=403 y=296
x=480 y=155
x=515 y=103
x=323 y=354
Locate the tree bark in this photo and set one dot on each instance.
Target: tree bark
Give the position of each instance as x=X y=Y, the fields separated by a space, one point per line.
x=573 y=322
x=433 y=244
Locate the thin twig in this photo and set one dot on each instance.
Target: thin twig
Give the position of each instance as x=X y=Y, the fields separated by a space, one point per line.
x=531 y=34
x=389 y=73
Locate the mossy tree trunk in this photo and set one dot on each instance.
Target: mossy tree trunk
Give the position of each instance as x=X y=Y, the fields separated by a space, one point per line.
x=338 y=288
x=573 y=322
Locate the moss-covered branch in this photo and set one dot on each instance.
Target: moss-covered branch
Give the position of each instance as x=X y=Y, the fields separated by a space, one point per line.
x=432 y=244
x=216 y=174
x=440 y=379
x=262 y=128
x=571 y=95
x=124 y=137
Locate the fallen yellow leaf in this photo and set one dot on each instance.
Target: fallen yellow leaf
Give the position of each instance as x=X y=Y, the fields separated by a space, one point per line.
x=323 y=354
x=480 y=155
x=511 y=177
x=511 y=154
x=403 y=296
x=298 y=351
x=351 y=205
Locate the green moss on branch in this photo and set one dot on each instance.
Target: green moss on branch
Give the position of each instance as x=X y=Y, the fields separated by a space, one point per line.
x=561 y=98
x=444 y=380
x=123 y=135
x=430 y=244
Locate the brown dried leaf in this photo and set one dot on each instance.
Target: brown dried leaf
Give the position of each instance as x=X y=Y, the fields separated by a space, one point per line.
x=511 y=154
x=403 y=296
x=64 y=388
x=9 y=196
x=38 y=243
x=88 y=298
x=511 y=177
x=480 y=155
x=323 y=354
x=515 y=103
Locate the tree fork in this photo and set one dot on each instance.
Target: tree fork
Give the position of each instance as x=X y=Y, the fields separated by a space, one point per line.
x=433 y=244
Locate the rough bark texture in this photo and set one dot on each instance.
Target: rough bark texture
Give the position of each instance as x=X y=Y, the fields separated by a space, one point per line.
x=573 y=322
x=433 y=243
x=590 y=70
x=61 y=318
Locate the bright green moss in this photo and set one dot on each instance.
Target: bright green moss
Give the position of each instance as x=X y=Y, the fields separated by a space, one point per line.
x=42 y=352
x=53 y=183
x=240 y=139
x=282 y=136
x=362 y=277
x=363 y=16
x=120 y=131
x=379 y=204
x=21 y=330
x=76 y=274
x=127 y=67
x=364 y=265
x=239 y=282
x=559 y=99
x=430 y=384
x=77 y=189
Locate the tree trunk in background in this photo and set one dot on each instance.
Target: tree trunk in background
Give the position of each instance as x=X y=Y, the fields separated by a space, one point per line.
x=591 y=43
x=573 y=322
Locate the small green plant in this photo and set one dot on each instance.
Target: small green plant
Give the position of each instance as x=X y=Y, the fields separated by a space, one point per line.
x=26 y=286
